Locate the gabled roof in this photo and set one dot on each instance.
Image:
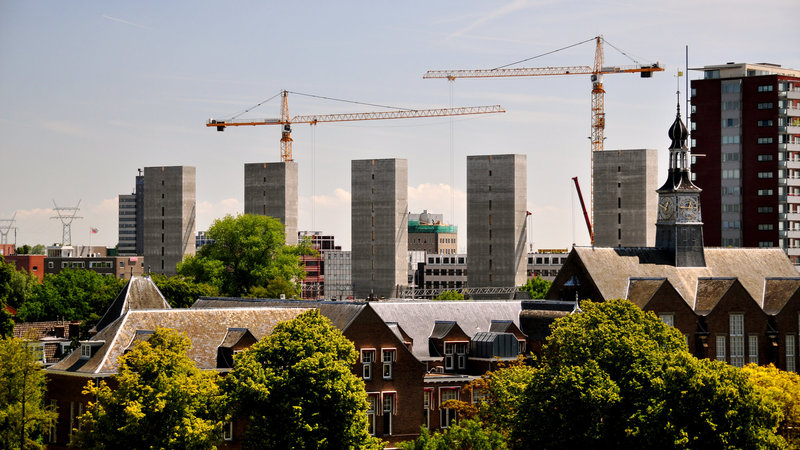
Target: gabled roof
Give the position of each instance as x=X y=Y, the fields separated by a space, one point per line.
x=610 y=268
x=399 y=332
x=139 y=293
x=341 y=314
x=418 y=318
x=205 y=328
x=441 y=328
x=778 y=292
x=641 y=290
x=235 y=335
x=710 y=291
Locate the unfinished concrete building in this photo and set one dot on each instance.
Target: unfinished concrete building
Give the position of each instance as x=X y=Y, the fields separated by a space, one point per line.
x=270 y=189
x=379 y=229
x=625 y=183
x=169 y=216
x=497 y=196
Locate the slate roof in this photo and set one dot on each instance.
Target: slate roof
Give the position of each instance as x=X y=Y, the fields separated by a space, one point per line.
x=341 y=314
x=611 y=268
x=418 y=318
x=206 y=328
x=709 y=292
x=778 y=292
x=641 y=290
x=139 y=293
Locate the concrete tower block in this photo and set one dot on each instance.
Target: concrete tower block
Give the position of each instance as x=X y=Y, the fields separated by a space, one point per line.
x=497 y=196
x=625 y=183
x=169 y=216
x=379 y=229
x=270 y=189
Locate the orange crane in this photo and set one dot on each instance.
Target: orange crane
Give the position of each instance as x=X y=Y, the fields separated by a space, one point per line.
x=286 y=121
x=596 y=72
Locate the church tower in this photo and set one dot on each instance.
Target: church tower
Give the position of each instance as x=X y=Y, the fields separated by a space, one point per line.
x=679 y=228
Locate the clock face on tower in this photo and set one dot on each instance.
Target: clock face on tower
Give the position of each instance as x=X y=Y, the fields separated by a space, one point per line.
x=688 y=209
x=666 y=208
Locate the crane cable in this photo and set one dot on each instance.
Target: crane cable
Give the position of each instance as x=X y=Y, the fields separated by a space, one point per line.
x=544 y=54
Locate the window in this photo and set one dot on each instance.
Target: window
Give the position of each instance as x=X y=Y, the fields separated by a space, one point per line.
x=731 y=88
x=449 y=352
x=731 y=208
x=765 y=140
x=765 y=227
x=729 y=157
x=388 y=412
x=764 y=192
x=731 y=190
x=86 y=351
x=731 y=105
x=730 y=174
x=765 y=209
x=667 y=318
x=765 y=88
x=461 y=354
x=721 y=347
x=765 y=105
x=765 y=244
x=448 y=414
x=50 y=264
x=730 y=139
x=388 y=361
x=764 y=123
x=372 y=400
x=790 y=353
x=765 y=157
x=730 y=122
x=765 y=174
x=752 y=346
x=227 y=431
x=731 y=225
x=367 y=358
x=736 y=321
x=426 y=406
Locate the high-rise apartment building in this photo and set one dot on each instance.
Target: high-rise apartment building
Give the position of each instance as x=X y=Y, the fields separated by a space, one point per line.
x=379 y=228
x=625 y=183
x=497 y=196
x=746 y=140
x=169 y=216
x=127 y=225
x=270 y=189
x=131 y=220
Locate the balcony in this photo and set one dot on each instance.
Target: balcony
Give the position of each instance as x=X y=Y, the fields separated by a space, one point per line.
x=794 y=94
x=789 y=147
x=791 y=112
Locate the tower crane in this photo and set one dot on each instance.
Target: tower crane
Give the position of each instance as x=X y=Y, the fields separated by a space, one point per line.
x=595 y=71
x=286 y=121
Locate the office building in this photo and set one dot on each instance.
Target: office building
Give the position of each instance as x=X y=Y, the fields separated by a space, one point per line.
x=127 y=224
x=270 y=189
x=379 y=229
x=497 y=193
x=746 y=142
x=429 y=233
x=625 y=183
x=169 y=216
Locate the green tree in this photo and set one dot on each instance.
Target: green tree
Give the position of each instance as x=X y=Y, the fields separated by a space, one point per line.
x=162 y=401
x=450 y=295
x=617 y=377
x=180 y=291
x=466 y=435
x=26 y=249
x=536 y=287
x=297 y=389
x=78 y=294
x=248 y=252
x=784 y=388
x=23 y=415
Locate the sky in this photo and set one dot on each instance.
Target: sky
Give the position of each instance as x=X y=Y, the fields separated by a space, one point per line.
x=91 y=91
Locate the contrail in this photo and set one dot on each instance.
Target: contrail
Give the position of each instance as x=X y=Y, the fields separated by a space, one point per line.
x=105 y=16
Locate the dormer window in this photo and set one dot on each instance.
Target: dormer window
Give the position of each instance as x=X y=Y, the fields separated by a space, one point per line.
x=455 y=355
x=88 y=348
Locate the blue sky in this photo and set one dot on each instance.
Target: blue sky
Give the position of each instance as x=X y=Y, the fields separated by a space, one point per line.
x=90 y=91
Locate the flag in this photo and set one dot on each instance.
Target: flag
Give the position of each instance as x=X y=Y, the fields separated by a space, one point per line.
x=94 y=230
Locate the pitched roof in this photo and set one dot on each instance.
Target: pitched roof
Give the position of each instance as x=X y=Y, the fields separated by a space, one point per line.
x=418 y=318
x=341 y=314
x=778 y=292
x=205 y=328
x=610 y=268
x=139 y=293
x=710 y=291
x=641 y=290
